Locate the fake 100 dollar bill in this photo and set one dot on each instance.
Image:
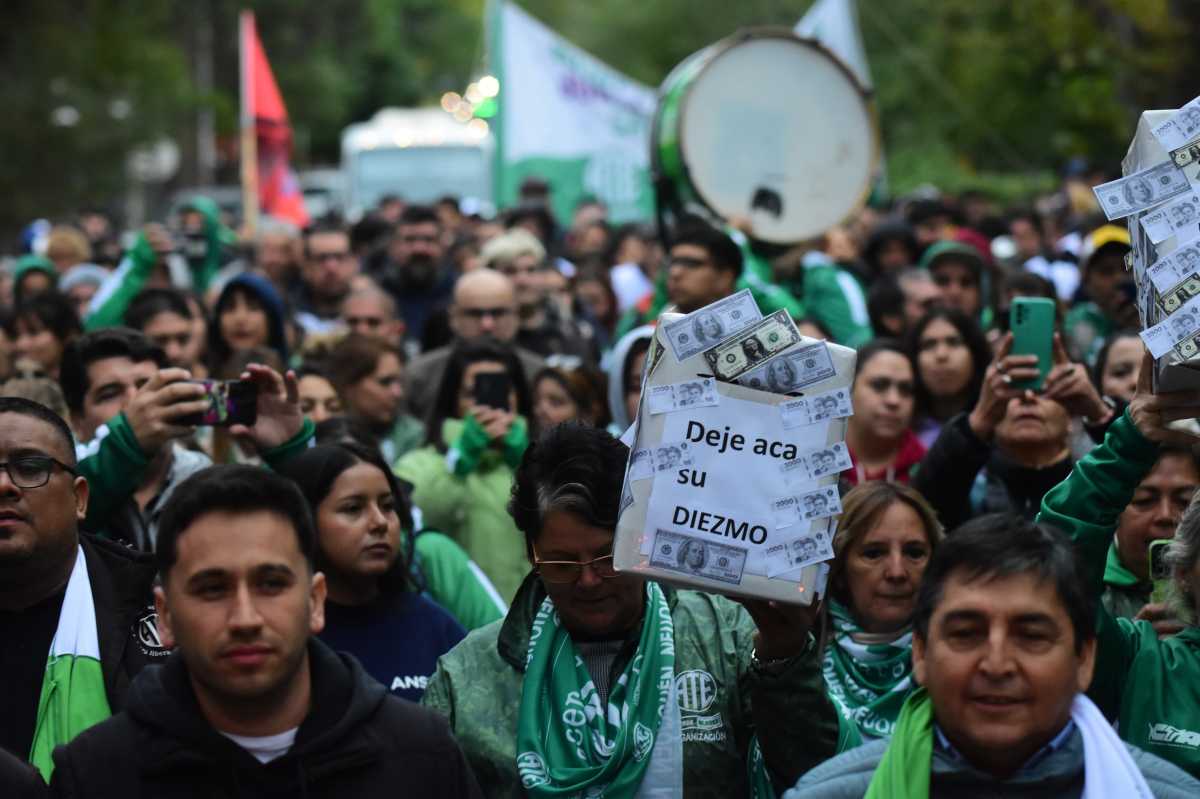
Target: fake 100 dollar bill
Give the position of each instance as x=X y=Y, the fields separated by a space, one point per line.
x=698 y=557
x=791 y=371
x=712 y=324
x=770 y=336
x=1141 y=190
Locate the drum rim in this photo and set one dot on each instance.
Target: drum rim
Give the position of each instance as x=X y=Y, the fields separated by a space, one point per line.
x=719 y=48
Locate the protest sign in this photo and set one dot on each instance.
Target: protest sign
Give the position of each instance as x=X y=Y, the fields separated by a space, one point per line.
x=710 y=518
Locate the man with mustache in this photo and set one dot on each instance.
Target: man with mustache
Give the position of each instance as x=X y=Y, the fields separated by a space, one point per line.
x=70 y=605
x=415 y=273
x=251 y=703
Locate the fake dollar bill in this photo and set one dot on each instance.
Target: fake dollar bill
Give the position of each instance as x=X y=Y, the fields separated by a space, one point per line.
x=1180 y=217
x=698 y=557
x=812 y=547
x=1141 y=190
x=1180 y=128
x=712 y=324
x=698 y=393
x=672 y=455
x=731 y=359
x=1177 y=297
x=1188 y=348
x=817 y=463
x=816 y=408
x=816 y=504
x=1186 y=155
x=792 y=371
x=1179 y=326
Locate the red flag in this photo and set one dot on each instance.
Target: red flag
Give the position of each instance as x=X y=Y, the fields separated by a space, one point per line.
x=279 y=191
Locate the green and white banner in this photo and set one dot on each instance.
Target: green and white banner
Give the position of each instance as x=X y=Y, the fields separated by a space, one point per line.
x=567 y=117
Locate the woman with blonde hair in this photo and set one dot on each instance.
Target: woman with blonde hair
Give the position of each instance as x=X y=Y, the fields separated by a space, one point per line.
x=885 y=537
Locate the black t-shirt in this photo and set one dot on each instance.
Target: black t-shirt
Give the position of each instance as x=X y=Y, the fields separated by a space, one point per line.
x=25 y=638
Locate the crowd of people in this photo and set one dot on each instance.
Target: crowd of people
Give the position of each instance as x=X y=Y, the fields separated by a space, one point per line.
x=390 y=570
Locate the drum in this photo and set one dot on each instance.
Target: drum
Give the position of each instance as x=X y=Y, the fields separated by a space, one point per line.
x=767 y=127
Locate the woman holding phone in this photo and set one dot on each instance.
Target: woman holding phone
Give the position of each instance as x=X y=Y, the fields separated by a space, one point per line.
x=462 y=479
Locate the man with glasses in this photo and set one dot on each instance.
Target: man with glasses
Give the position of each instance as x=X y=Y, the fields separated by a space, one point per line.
x=329 y=268
x=596 y=678
x=703 y=266
x=484 y=306
x=542 y=328
x=75 y=611
x=416 y=273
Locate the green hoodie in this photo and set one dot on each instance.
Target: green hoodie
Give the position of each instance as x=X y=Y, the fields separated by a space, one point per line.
x=464 y=493
x=1147 y=684
x=108 y=307
x=478 y=687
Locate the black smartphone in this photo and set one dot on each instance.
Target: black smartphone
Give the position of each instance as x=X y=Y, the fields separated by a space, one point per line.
x=230 y=402
x=492 y=389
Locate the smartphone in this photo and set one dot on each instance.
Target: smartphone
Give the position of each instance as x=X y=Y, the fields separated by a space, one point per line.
x=230 y=402
x=1031 y=320
x=492 y=389
x=1160 y=571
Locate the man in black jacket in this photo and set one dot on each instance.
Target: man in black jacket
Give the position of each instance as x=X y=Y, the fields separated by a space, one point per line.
x=42 y=501
x=251 y=704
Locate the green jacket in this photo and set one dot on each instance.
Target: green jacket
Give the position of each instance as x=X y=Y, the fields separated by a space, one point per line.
x=1147 y=684
x=114 y=464
x=471 y=507
x=1124 y=594
x=455 y=582
x=478 y=686
x=107 y=308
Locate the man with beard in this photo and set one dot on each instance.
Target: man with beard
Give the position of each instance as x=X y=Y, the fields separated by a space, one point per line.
x=415 y=274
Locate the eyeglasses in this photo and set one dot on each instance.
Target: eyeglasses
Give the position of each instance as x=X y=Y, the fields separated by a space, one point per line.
x=568 y=571
x=33 y=471
x=479 y=313
x=321 y=257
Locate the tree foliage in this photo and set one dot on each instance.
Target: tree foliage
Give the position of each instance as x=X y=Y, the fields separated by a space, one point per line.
x=967 y=90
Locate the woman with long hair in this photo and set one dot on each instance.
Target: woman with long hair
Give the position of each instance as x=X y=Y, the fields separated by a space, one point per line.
x=951 y=355
x=879 y=435
x=462 y=477
x=375 y=610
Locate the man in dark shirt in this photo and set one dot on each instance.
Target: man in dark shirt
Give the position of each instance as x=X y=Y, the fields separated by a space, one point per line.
x=50 y=579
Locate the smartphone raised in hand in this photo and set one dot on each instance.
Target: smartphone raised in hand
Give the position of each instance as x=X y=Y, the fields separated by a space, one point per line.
x=492 y=390
x=1160 y=570
x=1031 y=320
x=230 y=402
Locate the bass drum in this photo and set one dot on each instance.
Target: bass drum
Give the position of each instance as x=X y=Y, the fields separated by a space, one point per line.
x=767 y=127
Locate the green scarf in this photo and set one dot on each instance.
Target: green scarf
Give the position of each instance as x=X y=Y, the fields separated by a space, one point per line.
x=869 y=682
x=73 y=697
x=903 y=773
x=566 y=742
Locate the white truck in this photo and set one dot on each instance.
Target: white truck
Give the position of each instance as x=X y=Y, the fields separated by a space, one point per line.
x=420 y=154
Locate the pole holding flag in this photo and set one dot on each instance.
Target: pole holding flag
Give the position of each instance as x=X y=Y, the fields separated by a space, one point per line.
x=268 y=182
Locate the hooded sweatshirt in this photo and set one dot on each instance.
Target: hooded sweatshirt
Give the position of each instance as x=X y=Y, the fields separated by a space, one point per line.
x=356 y=741
x=616 y=376
x=264 y=291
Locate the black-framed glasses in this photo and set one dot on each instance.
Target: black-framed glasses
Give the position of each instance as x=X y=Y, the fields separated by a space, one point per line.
x=568 y=571
x=686 y=262
x=33 y=471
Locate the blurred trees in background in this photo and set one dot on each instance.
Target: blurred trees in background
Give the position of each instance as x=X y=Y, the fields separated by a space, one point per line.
x=971 y=93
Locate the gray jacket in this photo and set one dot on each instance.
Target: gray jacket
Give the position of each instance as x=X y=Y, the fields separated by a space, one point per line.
x=1057 y=775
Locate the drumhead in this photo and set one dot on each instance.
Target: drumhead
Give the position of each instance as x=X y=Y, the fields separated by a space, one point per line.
x=774 y=129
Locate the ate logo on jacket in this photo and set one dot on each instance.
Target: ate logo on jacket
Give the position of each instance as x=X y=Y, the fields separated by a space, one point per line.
x=145 y=634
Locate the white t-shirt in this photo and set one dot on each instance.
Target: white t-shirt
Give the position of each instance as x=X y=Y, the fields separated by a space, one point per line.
x=265 y=748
